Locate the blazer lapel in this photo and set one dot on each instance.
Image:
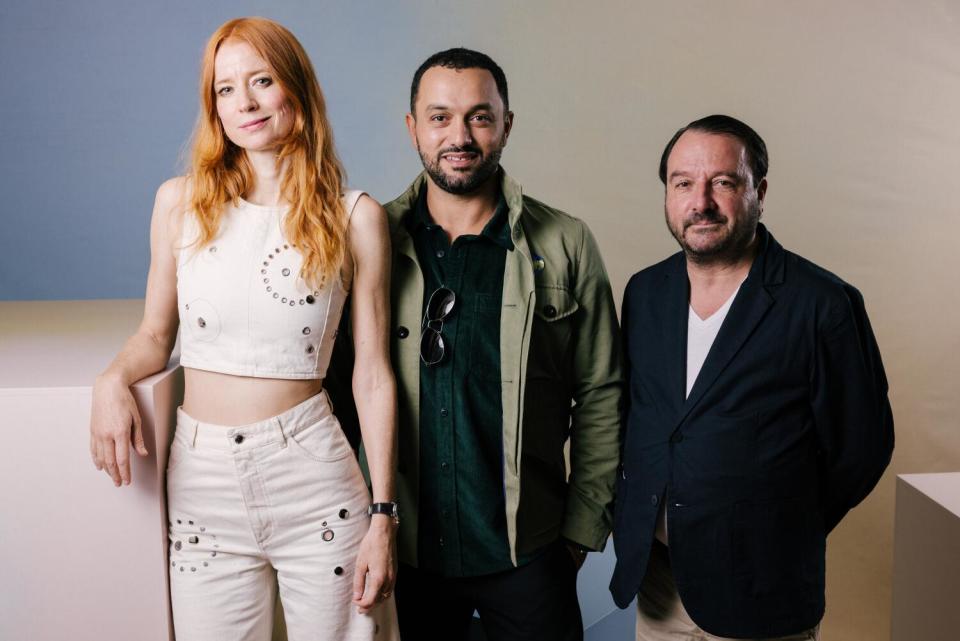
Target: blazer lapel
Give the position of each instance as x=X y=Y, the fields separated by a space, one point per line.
x=674 y=329
x=748 y=309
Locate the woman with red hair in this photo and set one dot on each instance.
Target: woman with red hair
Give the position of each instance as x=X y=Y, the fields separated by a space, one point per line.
x=253 y=254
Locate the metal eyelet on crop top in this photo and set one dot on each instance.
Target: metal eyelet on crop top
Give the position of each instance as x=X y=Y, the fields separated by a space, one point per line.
x=243 y=308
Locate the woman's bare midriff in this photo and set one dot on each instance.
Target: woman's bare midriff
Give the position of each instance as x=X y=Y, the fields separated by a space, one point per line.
x=223 y=399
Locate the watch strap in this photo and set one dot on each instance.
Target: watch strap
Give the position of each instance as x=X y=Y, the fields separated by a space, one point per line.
x=390 y=509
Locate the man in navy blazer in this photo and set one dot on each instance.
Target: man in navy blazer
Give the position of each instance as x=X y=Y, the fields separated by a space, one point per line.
x=757 y=412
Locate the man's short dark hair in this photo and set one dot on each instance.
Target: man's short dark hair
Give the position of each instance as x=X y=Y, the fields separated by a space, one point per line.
x=460 y=58
x=725 y=126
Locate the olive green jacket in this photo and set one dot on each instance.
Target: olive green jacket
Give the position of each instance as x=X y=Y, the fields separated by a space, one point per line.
x=560 y=362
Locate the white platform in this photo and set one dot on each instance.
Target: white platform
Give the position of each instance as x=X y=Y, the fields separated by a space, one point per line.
x=79 y=558
x=926 y=558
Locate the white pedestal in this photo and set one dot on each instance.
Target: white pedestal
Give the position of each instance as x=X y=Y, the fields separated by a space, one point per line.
x=926 y=558
x=79 y=558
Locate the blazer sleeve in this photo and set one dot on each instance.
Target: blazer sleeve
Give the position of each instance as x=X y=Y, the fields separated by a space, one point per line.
x=851 y=410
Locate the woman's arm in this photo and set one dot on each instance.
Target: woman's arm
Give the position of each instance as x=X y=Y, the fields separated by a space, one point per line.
x=114 y=410
x=375 y=392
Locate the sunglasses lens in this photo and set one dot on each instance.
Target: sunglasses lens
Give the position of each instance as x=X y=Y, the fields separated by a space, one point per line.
x=440 y=304
x=431 y=346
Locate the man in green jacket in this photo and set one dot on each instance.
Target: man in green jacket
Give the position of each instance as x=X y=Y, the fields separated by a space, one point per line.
x=505 y=345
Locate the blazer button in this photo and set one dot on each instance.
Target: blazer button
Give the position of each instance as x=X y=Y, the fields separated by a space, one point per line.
x=549 y=311
x=677 y=437
x=402 y=332
x=654 y=499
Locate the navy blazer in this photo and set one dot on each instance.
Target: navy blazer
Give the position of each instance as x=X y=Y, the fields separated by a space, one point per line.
x=786 y=428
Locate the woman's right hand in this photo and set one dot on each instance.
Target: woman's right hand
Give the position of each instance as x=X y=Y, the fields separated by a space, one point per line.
x=114 y=412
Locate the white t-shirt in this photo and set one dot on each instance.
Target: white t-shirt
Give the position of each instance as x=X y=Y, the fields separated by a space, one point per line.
x=700 y=336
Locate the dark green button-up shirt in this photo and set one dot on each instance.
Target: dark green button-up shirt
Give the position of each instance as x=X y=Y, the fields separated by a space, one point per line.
x=463 y=529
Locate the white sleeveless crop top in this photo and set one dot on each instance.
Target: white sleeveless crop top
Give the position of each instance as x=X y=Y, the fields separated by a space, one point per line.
x=243 y=308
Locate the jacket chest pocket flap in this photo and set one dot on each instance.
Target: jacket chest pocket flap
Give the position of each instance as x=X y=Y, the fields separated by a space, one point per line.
x=554 y=311
x=554 y=302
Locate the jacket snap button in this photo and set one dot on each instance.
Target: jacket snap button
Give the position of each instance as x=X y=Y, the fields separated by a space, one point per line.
x=402 y=332
x=549 y=311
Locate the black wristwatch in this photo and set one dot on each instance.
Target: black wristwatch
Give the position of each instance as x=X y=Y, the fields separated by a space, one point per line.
x=390 y=509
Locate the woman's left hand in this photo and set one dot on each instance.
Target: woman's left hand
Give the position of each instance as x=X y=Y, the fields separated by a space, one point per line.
x=376 y=569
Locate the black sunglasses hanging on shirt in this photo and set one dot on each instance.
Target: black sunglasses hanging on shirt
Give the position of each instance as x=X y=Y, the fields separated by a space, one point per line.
x=439 y=307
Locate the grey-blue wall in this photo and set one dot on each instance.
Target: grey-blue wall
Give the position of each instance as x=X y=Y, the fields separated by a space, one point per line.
x=98 y=100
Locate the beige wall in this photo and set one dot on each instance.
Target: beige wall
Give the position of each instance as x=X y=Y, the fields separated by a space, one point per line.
x=859 y=105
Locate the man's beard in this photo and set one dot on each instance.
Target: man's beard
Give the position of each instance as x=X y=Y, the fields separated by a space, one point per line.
x=728 y=248
x=466 y=182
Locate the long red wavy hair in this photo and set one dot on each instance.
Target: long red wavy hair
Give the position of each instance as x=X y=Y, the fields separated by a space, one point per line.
x=316 y=222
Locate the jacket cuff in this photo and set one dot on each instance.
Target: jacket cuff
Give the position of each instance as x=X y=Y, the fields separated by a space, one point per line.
x=585 y=523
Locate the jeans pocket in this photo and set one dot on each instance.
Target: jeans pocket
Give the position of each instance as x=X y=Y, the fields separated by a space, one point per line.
x=323 y=442
x=178 y=452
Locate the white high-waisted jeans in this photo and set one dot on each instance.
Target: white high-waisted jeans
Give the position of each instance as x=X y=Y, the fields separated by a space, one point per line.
x=275 y=503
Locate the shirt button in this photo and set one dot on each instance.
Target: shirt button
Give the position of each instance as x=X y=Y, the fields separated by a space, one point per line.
x=402 y=332
x=444 y=465
x=238 y=439
x=441 y=253
x=444 y=412
x=549 y=311
x=654 y=499
x=441 y=541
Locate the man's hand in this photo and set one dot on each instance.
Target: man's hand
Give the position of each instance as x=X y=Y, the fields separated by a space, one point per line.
x=376 y=569
x=579 y=554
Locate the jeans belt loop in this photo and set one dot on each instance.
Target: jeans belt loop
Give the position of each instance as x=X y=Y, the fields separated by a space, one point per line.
x=283 y=437
x=195 y=429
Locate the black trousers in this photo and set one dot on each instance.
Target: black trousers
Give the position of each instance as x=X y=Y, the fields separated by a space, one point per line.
x=534 y=602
